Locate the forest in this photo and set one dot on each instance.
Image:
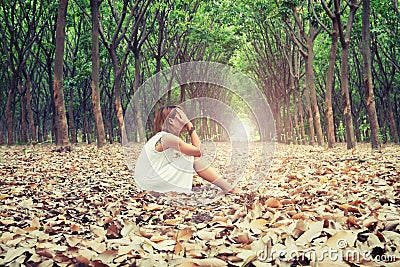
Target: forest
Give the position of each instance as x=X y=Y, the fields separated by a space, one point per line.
x=314 y=82
x=328 y=69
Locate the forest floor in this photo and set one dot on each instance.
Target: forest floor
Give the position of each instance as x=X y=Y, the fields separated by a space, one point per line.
x=334 y=207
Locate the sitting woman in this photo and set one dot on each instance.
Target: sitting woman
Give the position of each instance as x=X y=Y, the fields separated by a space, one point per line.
x=167 y=163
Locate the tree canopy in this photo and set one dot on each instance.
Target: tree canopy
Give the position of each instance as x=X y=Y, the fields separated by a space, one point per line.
x=305 y=56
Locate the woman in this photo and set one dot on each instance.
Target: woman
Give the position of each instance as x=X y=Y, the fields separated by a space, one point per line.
x=166 y=162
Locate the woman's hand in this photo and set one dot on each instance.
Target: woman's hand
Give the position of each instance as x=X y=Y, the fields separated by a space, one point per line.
x=183 y=119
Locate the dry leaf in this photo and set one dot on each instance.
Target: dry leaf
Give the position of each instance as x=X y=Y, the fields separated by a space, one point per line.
x=351 y=208
x=209 y=262
x=185 y=234
x=273 y=203
x=206 y=235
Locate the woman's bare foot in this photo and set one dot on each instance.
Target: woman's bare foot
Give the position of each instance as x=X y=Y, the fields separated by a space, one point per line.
x=233 y=190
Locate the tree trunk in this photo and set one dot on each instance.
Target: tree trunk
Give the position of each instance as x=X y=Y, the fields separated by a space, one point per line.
x=137 y=109
x=110 y=122
x=310 y=119
x=31 y=121
x=61 y=119
x=301 y=115
x=118 y=106
x=392 y=122
x=72 y=129
x=366 y=52
x=296 y=132
x=1 y=135
x=276 y=111
x=313 y=94
x=330 y=127
x=9 y=111
x=98 y=117
x=24 y=134
x=85 y=136
x=348 y=120
x=344 y=73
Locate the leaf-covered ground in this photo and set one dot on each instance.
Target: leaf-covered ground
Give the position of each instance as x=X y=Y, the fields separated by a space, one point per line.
x=318 y=207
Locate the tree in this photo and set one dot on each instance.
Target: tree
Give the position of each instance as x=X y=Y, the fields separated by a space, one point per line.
x=21 y=23
x=385 y=49
x=98 y=117
x=334 y=33
x=128 y=27
x=366 y=52
x=61 y=119
x=305 y=43
x=344 y=67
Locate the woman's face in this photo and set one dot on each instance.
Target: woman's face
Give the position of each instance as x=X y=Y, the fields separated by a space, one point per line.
x=174 y=123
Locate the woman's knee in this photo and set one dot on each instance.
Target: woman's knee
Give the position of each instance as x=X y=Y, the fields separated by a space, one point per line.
x=199 y=164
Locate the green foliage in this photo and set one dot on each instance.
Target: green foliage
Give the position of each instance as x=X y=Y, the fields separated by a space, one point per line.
x=250 y=35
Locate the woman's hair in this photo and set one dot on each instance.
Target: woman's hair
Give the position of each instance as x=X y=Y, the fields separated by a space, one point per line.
x=161 y=115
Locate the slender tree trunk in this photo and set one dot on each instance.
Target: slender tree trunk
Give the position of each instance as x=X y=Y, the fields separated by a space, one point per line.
x=348 y=119
x=118 y=106
x=1 y=135
x=310 y=119
x=40 y=133
x=31 y=121
x=72 y=128
x=85 y=136
x=392 y=122
x=61 y=119
x=9 y=111
x=278 y=126
x=357 y=130
x=366 y=52
x=110 y=121
x=98 y=117
x=183 y=93
x=137 y=110
x=344 y=73
x=288 y=121
x=24 y=133
x=89 y=129
x=313 y=94
x=54 y=127
x=301 y=115
x=330 y=127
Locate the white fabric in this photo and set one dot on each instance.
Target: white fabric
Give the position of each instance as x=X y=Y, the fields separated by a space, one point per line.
x=165 y=171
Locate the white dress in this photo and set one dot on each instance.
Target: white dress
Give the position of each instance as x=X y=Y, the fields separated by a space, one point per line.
x=169 y=170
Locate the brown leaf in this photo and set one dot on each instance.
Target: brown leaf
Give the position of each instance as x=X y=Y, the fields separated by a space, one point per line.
x=72 y=240
x=45 y=253
x=6 y=236
x=243 y=238
x=206 y=235
x=75 y=228
x=209 y=262
x=113 y=232
x=178 y=248
x=82 y=259
x=273 y=203
x=351 y=208
x=14 y=253
x=185 y=234
x=108 y=220
x=172 y=222
x=107 y=256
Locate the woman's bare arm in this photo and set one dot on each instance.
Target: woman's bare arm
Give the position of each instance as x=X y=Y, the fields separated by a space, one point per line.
x=174 y=142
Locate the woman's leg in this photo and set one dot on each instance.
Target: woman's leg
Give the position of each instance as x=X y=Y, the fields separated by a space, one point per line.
x=208 y=173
